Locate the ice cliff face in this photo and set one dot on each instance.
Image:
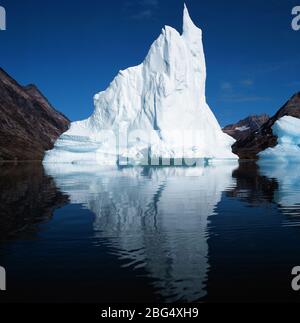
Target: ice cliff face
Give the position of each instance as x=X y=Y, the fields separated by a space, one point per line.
x=287 y=129
x=155 y=109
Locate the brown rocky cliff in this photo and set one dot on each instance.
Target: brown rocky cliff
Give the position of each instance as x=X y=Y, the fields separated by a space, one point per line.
x=29 y=125
x=245 y=127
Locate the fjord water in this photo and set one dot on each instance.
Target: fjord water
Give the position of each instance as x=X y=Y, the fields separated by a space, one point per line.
x=223 y=232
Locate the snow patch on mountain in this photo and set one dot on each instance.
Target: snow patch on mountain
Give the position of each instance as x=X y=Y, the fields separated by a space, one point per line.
x=243 y=128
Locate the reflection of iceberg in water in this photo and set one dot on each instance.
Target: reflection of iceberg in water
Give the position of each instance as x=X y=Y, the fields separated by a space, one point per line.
x=287 y=196
x=154 y=218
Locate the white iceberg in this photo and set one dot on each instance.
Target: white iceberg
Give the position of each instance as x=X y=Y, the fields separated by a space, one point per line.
x=287 y=129
x=157 y=109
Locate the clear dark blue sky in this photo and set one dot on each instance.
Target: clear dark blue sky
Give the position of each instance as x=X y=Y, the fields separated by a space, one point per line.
x=73 y=49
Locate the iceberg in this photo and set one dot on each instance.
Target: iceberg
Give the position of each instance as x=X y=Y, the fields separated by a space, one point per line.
x=287 y=129
x=154 y=110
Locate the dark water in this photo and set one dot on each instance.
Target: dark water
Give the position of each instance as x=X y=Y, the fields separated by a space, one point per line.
x=215 y=233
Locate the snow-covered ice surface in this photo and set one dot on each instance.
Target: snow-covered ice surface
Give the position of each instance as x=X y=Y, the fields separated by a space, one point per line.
x=155 y=109
x=287 y=129
x=153 y=218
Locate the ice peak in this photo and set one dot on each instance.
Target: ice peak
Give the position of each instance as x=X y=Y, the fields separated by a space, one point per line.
x=189 y=28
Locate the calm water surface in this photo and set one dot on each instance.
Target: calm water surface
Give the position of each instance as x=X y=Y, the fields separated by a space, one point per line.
x=216 y=233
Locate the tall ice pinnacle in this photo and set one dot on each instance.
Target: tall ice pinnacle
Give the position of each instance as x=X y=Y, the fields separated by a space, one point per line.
x=189 y=28
x=193 y=37
x=155 y=109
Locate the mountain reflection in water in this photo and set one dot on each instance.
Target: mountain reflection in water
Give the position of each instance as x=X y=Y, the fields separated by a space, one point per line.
x=27 y=197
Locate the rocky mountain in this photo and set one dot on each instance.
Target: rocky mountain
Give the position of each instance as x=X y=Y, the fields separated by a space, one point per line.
x=29 y=125
x=258 y=140
x=245 y=127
